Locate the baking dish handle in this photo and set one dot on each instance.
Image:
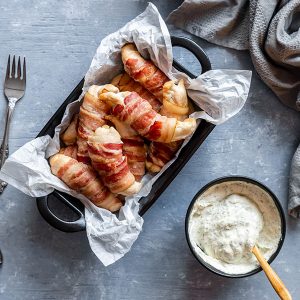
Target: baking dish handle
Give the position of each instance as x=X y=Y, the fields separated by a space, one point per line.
x=196 y=50
x=56 y=222
x=77 y=207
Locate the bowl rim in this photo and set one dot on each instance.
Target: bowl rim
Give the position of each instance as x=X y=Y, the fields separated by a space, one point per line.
x=230 y=179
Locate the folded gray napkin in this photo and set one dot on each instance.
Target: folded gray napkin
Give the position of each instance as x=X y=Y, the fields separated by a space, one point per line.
x=270 y=29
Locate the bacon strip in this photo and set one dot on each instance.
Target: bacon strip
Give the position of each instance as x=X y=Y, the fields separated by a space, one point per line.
x=143 y=71
x=135 y=150
x=159 y=154
x=134 y=147
x=125 y=83
x=136 y=112
x=83 y=179
x=106 y=152
x=176 y=105
x=70 y=151
x=91 y=116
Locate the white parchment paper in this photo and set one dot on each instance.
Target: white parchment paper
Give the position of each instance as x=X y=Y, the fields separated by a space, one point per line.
x=219 y=93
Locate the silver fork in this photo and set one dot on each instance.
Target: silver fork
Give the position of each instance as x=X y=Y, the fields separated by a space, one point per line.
x=14 y=90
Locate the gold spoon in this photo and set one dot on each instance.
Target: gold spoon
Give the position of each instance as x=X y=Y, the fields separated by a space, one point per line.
x=275 y=281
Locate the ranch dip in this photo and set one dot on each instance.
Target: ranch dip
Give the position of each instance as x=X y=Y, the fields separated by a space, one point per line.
x=227 y=220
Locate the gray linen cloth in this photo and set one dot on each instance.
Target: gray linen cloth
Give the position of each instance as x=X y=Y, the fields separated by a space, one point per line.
x=269 y=29
x=294 y=186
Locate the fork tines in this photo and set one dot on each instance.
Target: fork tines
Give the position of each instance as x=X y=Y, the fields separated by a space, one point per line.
x=11 y=70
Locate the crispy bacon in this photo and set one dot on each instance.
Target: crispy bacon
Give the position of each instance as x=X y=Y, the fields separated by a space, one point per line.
x=64 y=168
x=112 y=146
x=161 y=153
x=155 y=131
x=144 y=122
x=139 y=118
x=143 y=71
x=70 y=151
x=106 y=150
x=175 y=105
x=83 y=179
x=91 y=116
x=84 y=158
x=135 y=151
x=130 y=142
x=138 y=113
x=108 y=160
x=125 y=83
x=117 y=110
x=107 y=167
x=134 y=147
x=122 y=172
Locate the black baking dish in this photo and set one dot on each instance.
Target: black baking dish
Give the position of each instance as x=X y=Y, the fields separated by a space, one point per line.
x=164 y=180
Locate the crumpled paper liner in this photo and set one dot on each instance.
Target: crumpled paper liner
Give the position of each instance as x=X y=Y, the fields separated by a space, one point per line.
x=219 y=93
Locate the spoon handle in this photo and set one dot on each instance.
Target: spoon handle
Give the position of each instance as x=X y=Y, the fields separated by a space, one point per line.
x=274 y=279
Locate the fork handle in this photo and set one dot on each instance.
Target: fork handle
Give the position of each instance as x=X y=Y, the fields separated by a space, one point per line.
x=4 y=145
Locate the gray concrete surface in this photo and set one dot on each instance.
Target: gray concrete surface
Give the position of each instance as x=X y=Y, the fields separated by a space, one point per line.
x=59 y=39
